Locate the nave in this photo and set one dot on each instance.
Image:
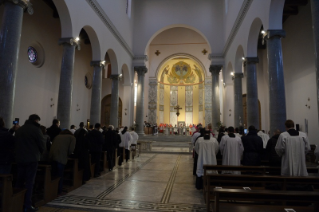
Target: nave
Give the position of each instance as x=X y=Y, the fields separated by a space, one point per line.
x=150 y=182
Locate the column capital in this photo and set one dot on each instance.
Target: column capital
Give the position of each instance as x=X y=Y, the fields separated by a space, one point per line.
x=25 y=4
x=215 y=69
x=98 y=63
x=251 y=60
x=275 y=33
x=153 y=82
x=69 y=41
x=115 y=76
x=140 y=70
x=238 y=75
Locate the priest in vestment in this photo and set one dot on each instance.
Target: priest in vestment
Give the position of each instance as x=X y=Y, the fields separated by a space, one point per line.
x=264 y=137
x=292 y=146
x=231 y=149
x=206 y=148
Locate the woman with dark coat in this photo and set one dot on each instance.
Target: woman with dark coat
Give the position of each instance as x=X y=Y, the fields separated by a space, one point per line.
x=81 y=152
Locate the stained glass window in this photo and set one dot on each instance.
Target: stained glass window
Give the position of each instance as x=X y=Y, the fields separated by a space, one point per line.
x=32 y=54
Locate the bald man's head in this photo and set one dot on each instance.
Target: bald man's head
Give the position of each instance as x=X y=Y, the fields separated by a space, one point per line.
x=277 y=132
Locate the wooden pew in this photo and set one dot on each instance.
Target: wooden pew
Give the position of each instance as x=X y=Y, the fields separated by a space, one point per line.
x=12 y=200
x=262 y=196
x=92 y=166
x=72 y=175
x=46 y=186
x=104 y=163
x=258 y=182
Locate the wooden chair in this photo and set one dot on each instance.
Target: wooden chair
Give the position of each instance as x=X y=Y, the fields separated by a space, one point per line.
x=12 y=200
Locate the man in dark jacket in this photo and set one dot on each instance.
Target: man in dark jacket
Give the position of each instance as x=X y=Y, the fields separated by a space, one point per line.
x=6 y=149
x=111 y=142
x=96 y=141
x=253 y=148
x=28 y=149
x=54 y=130
x=274 y=159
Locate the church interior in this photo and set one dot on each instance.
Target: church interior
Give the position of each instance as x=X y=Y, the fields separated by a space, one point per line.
x=169 y=63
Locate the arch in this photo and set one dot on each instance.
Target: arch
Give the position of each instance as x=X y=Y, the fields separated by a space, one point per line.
x=65 y=19
x=227 y=72
x=126 y=75
x=173 y=26
x=252 y=42
x=276 y=9
x=238 y=59
x=180 y=55
x=95 y=43
x=113 y=60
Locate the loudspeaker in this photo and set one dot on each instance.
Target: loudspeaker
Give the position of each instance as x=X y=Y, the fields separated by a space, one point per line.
x=297 y=127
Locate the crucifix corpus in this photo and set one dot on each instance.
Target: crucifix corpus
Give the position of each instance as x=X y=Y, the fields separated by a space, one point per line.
x=177 y=108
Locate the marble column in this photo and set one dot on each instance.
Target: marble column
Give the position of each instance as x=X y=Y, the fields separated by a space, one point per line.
x=10 y=36
x=238 y=100
x=214 y=70
x=252 y=92
x=140 y=70
x=315 y=28
x=66 y=82
x=115 y=101
x=95 y=112
x=152 y=101
x=277 y=98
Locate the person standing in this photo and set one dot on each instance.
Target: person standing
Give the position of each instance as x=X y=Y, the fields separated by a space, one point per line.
x=81 y=152
x=253 y=148
x=96 y=142
x=292 y=146
x=62 y=146
x=126 y=140
x=54 y=130
x=6 y=148
x=231 y=149
x=274 y=159
x=264 y=137
x=206 y=147
x=110 y=145
x=72 y=129
x=134 y=142
x=78 y=130
x=28 y=149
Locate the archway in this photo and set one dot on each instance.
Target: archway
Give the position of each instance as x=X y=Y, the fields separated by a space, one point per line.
x=106 y=111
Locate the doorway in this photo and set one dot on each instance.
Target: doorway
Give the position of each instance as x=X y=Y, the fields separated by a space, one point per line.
x=245 y=112
x=106 y=111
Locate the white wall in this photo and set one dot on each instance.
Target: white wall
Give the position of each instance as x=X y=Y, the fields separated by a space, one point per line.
x=299 y=70
x=204 y=15
x=36 y=86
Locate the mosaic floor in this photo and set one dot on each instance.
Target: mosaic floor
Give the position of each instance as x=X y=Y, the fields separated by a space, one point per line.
x=152 y=182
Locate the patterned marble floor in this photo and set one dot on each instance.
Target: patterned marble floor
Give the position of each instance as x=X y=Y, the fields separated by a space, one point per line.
x=152 y=182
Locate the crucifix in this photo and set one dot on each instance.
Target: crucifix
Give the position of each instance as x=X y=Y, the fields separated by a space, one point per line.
x=177 y=108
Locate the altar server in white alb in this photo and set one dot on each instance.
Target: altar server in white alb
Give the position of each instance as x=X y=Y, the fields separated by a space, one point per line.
x=265 y=138
x=231 y=148
x=292 y=146
x=207 y=148
x=126 y=140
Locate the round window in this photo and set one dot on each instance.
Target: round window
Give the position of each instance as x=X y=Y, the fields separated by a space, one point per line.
x=32 y=54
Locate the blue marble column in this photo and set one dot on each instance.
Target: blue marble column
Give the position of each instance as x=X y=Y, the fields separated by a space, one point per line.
x=315 y=27
x=66 y=82
x=252 y=92
x=95 y=112
x=238 y=99
x=114 y=117
x=277 y=98
x=214 y=70
x=10 y=36
x=140 y=70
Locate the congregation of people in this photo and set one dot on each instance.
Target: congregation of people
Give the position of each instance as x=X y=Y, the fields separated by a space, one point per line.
x=235 y=148
x=32 y=144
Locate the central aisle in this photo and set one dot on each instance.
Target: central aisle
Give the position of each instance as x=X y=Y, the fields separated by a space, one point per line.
x=152 y=182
